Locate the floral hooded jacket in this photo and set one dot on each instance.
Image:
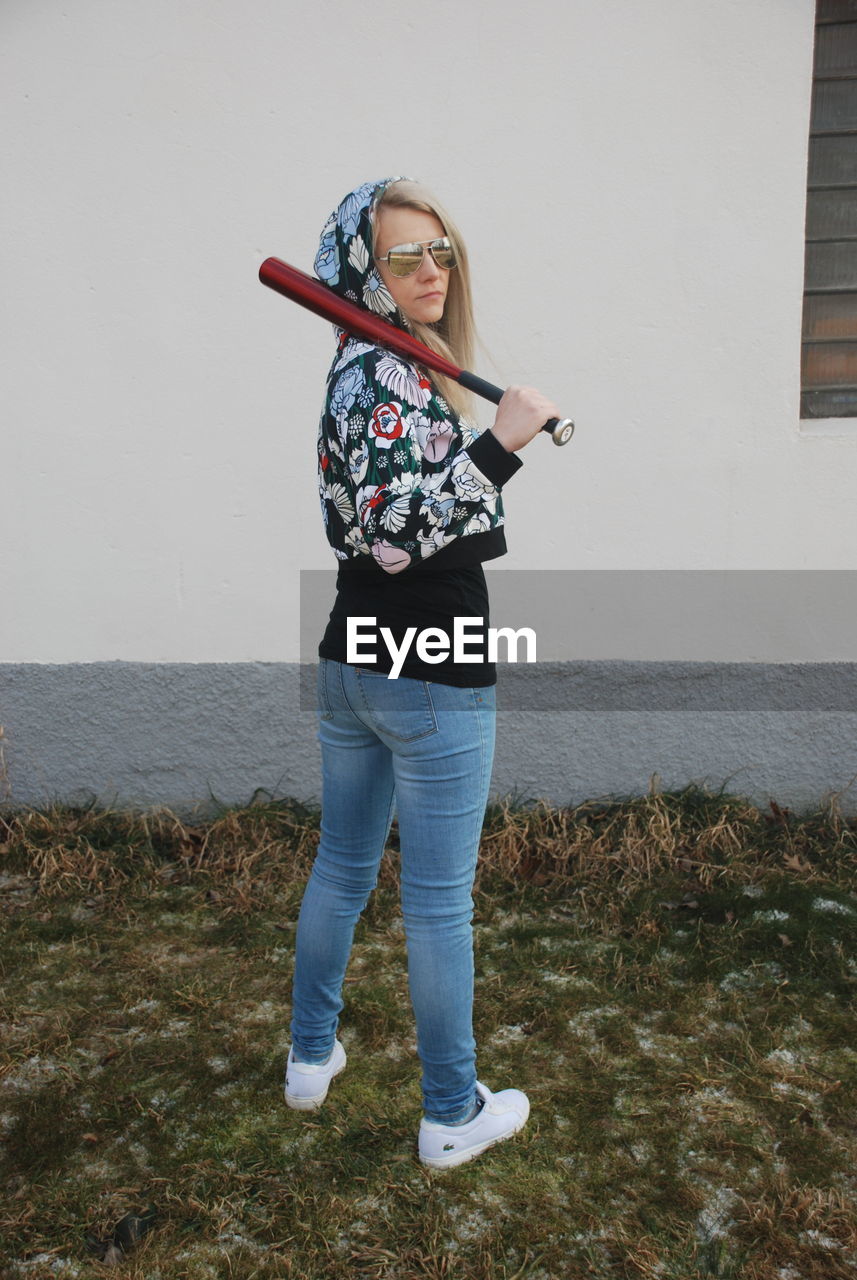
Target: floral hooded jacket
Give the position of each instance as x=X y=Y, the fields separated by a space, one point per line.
x=401 y=477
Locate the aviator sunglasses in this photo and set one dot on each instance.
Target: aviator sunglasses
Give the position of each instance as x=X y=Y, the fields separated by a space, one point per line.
x=405 y=259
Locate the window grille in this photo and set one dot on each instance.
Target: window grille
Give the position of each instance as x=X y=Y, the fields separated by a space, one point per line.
x=829 y=346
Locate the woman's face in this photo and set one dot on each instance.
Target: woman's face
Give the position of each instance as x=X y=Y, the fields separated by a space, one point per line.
x=421 y=296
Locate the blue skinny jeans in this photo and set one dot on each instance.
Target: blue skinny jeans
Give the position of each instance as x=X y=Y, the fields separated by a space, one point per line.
x=424 y=751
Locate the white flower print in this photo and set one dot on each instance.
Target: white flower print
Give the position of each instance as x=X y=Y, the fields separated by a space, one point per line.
x=433 y=540
x=403 y=380
x=358 y=255
x=401 y=490
x=395 y=514
x=338 y=495
x=351 y=351
x=480 y=523
x=376 y=295
x=418 y=425
x=468 y=481
x=404 y=484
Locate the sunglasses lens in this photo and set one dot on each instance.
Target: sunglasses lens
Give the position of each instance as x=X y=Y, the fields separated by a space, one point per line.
x=443 y=254
x=405 y=259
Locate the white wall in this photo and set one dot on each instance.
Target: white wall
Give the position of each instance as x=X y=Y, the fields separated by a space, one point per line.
x=630 y=177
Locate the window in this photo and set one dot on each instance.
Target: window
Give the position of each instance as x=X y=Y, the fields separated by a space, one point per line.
x=829 y=349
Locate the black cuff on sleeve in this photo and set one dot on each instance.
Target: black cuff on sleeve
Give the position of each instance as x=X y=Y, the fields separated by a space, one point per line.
x=495 y=462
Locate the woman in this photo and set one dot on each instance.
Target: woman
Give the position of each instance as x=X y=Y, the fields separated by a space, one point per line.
x=410 y=494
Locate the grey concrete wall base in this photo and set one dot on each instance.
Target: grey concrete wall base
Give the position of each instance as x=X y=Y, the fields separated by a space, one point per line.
x=190 y=736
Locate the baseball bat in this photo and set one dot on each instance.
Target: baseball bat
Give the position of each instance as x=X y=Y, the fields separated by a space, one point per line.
x=315 y=296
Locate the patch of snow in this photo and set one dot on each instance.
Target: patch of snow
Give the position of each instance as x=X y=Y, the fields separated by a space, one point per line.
x=175 y=1027
x=714 y=1220
x=47 y=1262
x=145 y=1006
x=833 y=907
x=226 y=1090
x=30 y=1074
x=266 y=1011
x=782 y=1055
x=552 y=943
x=749 y=979
x=826 y=1242
x=163 y=1101
x=508 y=1035
x=659 y=1046
x=244 y=1242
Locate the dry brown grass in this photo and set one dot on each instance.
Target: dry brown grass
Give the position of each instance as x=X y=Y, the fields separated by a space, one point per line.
x=609 y=849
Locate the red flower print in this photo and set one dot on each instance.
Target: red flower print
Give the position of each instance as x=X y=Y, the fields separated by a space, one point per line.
x=387 y=422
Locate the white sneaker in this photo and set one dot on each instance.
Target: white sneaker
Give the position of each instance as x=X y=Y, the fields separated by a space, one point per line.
x=443 y=1145
x=306 y=1084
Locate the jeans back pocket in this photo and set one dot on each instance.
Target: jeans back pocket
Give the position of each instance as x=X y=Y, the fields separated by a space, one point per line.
x=401 y=708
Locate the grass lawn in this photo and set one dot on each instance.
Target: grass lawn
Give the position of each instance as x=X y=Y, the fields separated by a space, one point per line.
x=671 y=979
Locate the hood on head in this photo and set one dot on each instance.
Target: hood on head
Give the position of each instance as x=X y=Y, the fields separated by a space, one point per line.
x=344 y=260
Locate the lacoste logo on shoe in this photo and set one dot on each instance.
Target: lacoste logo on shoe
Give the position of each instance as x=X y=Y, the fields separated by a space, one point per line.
x=449 y=1146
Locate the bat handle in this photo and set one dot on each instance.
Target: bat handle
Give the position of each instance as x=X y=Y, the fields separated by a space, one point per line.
x=560 y=430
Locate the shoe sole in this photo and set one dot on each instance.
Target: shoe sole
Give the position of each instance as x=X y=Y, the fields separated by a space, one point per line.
x=462 y=1157
x=298 y=1103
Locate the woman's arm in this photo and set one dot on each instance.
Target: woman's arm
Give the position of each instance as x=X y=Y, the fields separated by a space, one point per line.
x=404 y=477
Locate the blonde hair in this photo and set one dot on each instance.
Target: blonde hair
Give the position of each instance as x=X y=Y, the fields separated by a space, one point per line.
x=454 y=335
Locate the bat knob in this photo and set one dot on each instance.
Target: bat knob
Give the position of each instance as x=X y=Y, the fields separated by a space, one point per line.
x=560 y=429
